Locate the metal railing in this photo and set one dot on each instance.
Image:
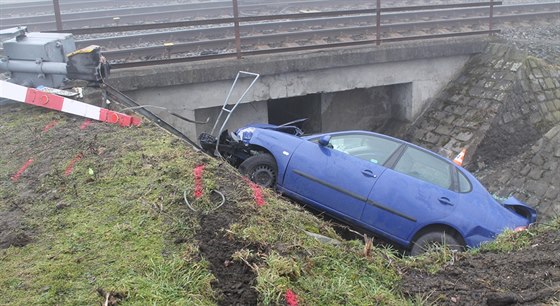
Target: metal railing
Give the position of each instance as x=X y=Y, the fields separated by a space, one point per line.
x=378 y=13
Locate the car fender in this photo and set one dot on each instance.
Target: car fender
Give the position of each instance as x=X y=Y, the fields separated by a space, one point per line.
x=473 y=231
x=280 y=145
x=520 y=208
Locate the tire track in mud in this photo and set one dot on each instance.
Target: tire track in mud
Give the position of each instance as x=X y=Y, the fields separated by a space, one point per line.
x=235 y=280
x=530 y=276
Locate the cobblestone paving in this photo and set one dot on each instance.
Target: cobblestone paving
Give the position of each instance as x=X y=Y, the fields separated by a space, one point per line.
x=534 y=176
x=505 y=110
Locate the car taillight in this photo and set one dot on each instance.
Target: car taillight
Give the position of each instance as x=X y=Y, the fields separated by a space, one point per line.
x=520 y=228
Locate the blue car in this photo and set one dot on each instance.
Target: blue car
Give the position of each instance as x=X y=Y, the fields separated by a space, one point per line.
x=392 y=188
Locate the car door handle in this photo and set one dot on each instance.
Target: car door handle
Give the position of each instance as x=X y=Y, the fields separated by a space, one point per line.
x=445 y=201
x=368 y=173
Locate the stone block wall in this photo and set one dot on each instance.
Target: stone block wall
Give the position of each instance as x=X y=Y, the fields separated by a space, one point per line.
x=533 y=177
x=504 y=105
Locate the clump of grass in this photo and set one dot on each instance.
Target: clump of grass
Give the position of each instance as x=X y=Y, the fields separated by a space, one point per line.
x=170 y=281
x=507 y=241
x=319 y=273
x=116 y=228
x=433 y=260
x=510 y=241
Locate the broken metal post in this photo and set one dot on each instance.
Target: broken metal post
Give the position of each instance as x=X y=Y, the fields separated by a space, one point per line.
x=378 y=23
x=230 y=110
x=236 y=26
x=57 y=16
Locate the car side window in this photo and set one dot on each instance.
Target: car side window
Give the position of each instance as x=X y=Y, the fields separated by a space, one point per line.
x=464 y=183
x=367 y=147
x=424 y=166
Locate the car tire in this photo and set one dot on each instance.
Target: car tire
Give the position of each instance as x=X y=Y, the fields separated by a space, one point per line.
x=435 y=238
x=261 y=169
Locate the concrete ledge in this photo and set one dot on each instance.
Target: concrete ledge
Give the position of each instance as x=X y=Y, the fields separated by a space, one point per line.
x=219 y=70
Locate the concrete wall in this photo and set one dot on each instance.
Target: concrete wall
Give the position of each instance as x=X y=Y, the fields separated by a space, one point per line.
x=255 y=112
x=285 y=110
x=358 y=109
x=427 y=77
x=426 y=66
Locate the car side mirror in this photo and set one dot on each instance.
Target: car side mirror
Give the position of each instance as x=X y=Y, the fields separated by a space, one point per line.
x=324 y=140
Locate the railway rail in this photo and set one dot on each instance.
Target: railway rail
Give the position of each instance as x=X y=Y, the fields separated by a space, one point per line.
x=184 y=11
x=394 y=22
x=141 y=44
x=292 y=34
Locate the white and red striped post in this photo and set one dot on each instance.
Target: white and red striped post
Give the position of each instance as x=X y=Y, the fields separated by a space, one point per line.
x=47 y=100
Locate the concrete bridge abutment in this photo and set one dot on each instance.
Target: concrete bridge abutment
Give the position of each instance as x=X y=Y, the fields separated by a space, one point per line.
x=337 y=89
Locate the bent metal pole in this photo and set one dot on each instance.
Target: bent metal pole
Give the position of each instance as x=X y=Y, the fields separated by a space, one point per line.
x=51 y=101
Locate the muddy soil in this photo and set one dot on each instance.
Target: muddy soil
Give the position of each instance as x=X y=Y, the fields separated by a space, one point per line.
x=48 y=141
x=13 y=231
x=530 y=276
x=501 y=144
x=235 y=280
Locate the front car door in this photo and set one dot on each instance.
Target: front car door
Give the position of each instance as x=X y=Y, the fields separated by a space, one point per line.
x=338 y=177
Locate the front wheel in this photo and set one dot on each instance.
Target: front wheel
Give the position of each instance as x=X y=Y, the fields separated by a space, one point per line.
x=261 y=169
x=435 y=239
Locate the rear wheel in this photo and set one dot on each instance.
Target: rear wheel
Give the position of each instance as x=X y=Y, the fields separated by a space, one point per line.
x=435 y=240
x=261 y=169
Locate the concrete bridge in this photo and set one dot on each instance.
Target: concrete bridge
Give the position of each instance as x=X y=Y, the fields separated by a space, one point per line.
x=344 y=88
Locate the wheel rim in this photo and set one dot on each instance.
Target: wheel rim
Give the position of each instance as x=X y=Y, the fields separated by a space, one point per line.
x=263 y=175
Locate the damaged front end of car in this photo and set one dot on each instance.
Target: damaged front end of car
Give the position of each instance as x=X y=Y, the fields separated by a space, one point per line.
x=236 y=147
x=228 y=146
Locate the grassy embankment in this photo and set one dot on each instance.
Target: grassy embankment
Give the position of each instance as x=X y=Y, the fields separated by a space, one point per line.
x=118 y=222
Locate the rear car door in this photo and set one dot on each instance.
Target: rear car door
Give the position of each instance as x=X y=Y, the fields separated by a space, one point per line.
x=338 y=177
x=418 y=189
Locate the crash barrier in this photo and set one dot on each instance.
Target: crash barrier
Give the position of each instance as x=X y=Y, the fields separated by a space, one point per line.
x=51 y=101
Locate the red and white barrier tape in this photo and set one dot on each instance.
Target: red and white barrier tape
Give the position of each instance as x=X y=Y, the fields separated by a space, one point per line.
x=38 y=98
